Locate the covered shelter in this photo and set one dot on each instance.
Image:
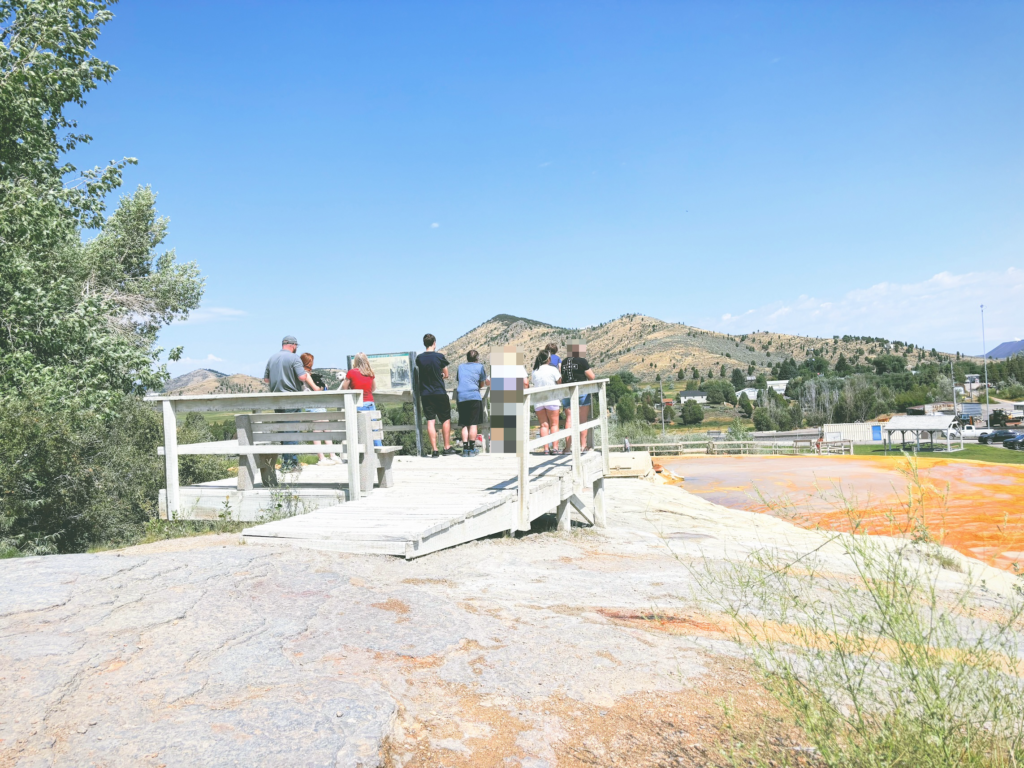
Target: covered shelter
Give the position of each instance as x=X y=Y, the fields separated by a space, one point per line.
x=945 y=424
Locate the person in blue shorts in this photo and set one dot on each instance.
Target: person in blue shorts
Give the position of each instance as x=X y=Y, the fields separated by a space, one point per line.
x=576 y=369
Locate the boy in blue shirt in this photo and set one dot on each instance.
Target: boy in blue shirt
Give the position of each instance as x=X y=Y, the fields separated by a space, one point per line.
x=471 y=378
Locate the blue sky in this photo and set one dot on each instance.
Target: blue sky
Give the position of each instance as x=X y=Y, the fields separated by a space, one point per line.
x=359 y=173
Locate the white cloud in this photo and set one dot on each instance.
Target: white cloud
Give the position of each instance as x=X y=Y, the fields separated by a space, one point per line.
x=544 y=165
x=191 y=361
x=212 y=314
x=435 y=225
x=942 y=311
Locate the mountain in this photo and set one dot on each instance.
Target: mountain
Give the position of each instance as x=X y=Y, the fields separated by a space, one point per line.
x=646 y=346
x=1007 y=349
x=208 y=382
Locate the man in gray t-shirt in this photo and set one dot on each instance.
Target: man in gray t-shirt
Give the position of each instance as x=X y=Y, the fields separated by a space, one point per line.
x=284 y=373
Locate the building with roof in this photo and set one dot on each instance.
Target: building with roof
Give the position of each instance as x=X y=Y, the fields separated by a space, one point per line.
x=945 y=425
x=698 y=396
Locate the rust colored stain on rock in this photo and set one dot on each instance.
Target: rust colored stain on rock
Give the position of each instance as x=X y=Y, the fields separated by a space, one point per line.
x=974 y=507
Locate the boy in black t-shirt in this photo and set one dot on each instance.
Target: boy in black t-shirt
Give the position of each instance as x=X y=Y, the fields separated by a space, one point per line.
x=433 y=368
x=575 y=369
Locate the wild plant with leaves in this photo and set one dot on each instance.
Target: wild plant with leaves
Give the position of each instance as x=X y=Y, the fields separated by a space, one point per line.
x=79 y=316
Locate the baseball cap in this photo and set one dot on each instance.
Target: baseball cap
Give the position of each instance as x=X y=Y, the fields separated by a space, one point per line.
x=289 y=340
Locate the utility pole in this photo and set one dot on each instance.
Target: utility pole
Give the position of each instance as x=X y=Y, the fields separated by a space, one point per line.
x=661 y=389
x=952 y=380
x=984 y=351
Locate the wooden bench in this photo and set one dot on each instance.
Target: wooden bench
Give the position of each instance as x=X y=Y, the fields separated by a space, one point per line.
x=260 y=438
x=266 y=430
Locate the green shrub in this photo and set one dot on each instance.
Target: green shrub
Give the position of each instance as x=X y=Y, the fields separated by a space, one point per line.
x=72 y=478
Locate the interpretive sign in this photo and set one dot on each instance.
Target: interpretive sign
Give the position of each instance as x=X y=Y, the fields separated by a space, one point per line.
x=395 y=373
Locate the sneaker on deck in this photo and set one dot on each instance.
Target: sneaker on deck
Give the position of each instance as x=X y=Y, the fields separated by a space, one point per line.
x=449 y=452
x=435 y=455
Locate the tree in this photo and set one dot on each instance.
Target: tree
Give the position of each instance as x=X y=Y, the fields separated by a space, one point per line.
x=763 y=420
x=761 y=382
x=843 y=367
x=681 y=375
x=625 y=408
x=738 y=379
x=615 y=388
x=80 y=320
x=657 y=377
x=669 y=412
x=745 y=405
x=692 y=413
x=648 y=413
x=722 y=371
x=889 y=364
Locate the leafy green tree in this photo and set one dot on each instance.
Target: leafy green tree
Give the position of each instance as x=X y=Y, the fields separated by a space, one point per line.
x=692 y=413
x=721 y=371
x=681 y=374
x=889 y=364
x=648 y=413
x=738 y=379
x=763 y=420
x=761 y=382
x=745 y=405
x=615 y=388
x=843 y=367
x=625 y=408
x=80 y=319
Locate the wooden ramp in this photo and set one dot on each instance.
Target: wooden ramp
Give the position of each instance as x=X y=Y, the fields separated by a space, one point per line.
x=434 y=504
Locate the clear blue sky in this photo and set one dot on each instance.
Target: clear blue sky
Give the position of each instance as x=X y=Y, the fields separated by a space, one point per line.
x=801 y=167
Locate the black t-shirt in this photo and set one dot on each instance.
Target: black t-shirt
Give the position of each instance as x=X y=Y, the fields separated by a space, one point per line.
x=574 y=369
x=431 y=364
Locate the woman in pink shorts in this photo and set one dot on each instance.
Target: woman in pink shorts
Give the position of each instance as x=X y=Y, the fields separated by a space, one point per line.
x=546 y=375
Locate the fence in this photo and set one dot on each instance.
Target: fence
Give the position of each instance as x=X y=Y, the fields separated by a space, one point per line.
x=750 y=447
x=525 y=444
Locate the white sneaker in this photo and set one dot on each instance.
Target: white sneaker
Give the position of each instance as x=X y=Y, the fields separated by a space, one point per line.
x=325 y=461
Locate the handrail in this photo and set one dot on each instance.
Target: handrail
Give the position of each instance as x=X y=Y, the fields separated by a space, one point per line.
x=525 y=444
x=348 y=399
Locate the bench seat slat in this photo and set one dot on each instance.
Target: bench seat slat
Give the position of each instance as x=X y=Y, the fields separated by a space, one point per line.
x=302 y=437
x=270 y=418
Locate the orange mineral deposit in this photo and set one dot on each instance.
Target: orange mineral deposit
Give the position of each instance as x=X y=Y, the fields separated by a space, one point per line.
x=974 y=507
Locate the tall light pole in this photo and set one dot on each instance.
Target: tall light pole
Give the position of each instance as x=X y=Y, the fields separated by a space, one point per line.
x=661 y=389
x=984 y=351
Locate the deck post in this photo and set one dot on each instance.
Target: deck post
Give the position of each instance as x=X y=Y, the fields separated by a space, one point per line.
x=246 y=462
x=577 y=464
x=600 y=516
x=171 y=459
x=603 y=416
x=523 y=460
x=367 y=467
x=352 y=446
x=563 y=516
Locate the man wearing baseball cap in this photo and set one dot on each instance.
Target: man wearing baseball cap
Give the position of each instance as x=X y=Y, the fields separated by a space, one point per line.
x=284 y=373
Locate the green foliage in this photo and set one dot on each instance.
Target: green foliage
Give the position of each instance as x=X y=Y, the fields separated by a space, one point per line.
x=739 y=431
x=889 y=364
x=625 y=408
x=647 y=413
x=738 y=379
x=762 y=420
x=895 y=662
x=720 y=391
x=73 y=477
x=629 y=379
x=681 y=374
x=745 y=404
x=78 y=458
x=691 y=412
x=669 y=412
x=843 y=367
x=615 y=388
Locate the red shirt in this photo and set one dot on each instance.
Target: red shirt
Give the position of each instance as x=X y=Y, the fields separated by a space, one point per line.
x=359 y=381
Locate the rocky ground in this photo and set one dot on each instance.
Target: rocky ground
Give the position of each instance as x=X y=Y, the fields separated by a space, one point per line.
x=584 y=648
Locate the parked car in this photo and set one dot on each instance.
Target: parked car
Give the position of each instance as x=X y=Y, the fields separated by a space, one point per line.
x=997 y=436
x=1014 y=443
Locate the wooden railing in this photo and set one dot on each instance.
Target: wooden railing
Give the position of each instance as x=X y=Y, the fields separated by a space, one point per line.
x=754 y=447
x=597 y=390
x=346 y=399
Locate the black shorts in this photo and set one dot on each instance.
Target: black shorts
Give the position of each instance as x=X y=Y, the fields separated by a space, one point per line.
x=471 y=413
x=437 y=408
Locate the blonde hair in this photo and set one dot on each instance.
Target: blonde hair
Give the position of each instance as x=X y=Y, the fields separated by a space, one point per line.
x=362 y=363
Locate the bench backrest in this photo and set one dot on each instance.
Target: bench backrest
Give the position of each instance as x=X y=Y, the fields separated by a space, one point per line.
x=376 y=427
x=297 y=427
